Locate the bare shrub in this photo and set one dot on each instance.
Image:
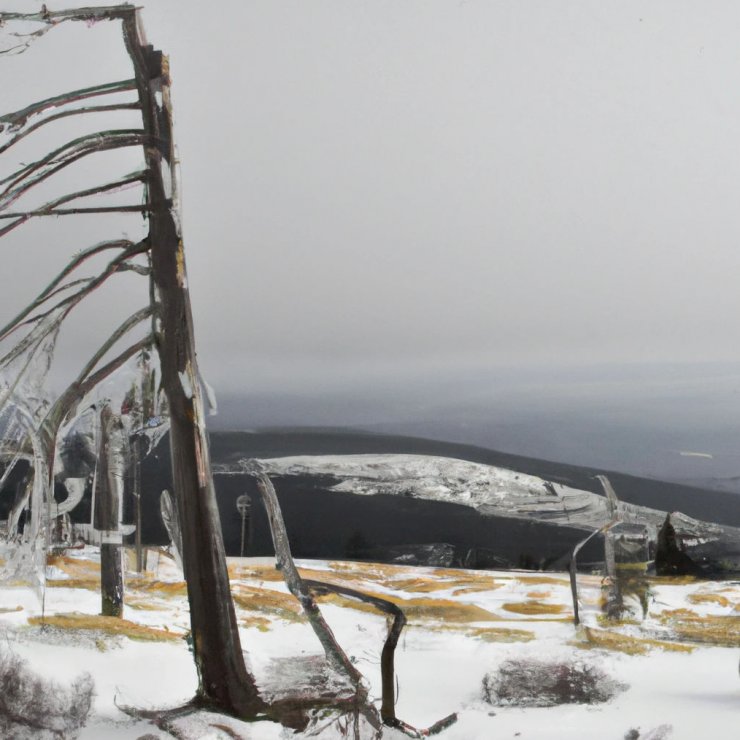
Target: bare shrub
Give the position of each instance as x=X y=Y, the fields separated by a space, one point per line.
x=540 y=683
x=34 y=707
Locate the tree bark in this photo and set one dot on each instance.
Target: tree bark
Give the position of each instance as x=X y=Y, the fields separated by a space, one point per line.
x=224 y=680
x=107 y=516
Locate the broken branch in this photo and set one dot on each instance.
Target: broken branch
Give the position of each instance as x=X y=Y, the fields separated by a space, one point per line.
x=334 y=652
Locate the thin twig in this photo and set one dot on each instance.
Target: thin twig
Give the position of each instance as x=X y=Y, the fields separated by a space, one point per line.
x=65 y=114
x=51 y=208
x=18 y=119
x=130 y=249
x=21 y=181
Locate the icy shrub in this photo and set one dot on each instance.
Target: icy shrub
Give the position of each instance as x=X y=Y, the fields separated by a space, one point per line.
x=541 y=683
x=34 y=707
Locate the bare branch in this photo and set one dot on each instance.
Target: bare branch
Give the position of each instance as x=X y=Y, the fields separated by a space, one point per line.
x=387 y=656
x=33 y=339
x=24 y=216
x=129 y=248
x=135 y=318
x=301 y=589
x=99 y=375
x=51 y=208
x=65 y=114
x=18 y=119
x=105 y=12
x=24 y=179
x=79 y=388
x=334 y=652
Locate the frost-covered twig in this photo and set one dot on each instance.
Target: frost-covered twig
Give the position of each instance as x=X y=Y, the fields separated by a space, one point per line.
x=68 y=302
x=16 y=120
x=52 y=207
x=24 y=179
x=136 y=318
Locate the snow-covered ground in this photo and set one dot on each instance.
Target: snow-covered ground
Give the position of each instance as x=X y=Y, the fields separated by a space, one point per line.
x=680 y=662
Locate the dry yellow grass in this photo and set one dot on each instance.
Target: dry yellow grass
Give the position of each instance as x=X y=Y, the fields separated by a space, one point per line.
x=419 y=610
x=260 y=623
x=476 y=589
x=672 y=580
x=502 y=634
x=488 y=634
x=678 y=614
x=722 y=631
x=705 y=598
x=89 y=584
x=369 y=571
x=10 y=609
x=75 y=567
x=442 y=609
x=274 y=603
x=539 y=595
x=533 y=608
x=159 y=588
x=542 y=580
x=106 y=625
x=590 y=639
x=141 y=602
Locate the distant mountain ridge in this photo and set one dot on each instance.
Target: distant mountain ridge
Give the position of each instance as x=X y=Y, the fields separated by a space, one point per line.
x=325 y=521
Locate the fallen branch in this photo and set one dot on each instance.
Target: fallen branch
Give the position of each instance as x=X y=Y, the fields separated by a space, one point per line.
x=334 y=652
x=387 y=656
x=302 y=589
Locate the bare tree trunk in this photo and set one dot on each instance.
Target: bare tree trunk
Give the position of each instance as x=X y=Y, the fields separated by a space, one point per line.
x=106 y=520
x=224 y=680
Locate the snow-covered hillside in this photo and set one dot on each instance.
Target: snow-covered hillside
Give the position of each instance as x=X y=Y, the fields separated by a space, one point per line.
x=496 y=492
x=491 y=490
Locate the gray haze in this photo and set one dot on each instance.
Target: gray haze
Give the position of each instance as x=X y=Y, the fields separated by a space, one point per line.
x=386 y=190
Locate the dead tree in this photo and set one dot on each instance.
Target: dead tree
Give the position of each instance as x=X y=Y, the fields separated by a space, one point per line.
x=224 y=682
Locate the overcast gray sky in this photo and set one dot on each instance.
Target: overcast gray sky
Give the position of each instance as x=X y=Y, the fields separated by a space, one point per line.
x=380 y=187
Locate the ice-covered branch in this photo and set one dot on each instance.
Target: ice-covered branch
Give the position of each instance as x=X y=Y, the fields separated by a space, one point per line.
x=51 y=208
x=303 y=589
x=47 y=326
x=21 y=181
x=104 y=12
x=334 y=652
x=132 y=321
x=50 y=19
x=130 y=249
x=16 y=120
